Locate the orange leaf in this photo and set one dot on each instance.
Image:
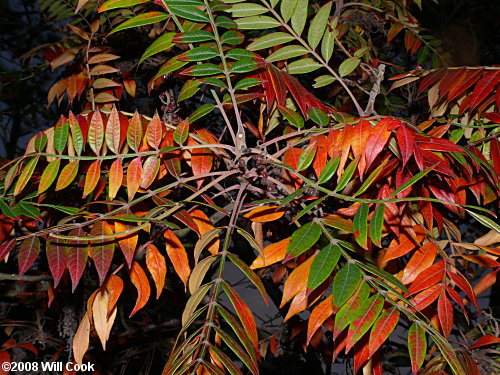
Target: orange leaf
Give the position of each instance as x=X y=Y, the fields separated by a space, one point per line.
x=127 y=244
x=100 y=315
x=96 y=132
x=299 y=304
x=296 y=281
x=134 y=175
x=273 y=253
x=320 y=159
x=204 y=225
x=178 y=256
x=149 y=171
x=422 y=259
x=445 y=314
x=140 y=281
x=157 y=267
x=320 y=313
x=115 y=178
x=361 y=132
x=264 y=214
x=92 y=177
x=114 y=287
x=81 y=339
x=113 y=131
x=154 y=132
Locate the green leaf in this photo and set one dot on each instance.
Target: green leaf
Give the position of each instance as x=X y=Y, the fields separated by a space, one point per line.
x=328 y=44
x=303 y=239
x=190 y=13
x=287 y=52
x=292 y=117
x=360 y=52
x=329 y=170
x=270 y=40
x=318 y=116
x=410 y=182
x=199 y=54
x=323 y=80
x=225 y=22
x=244 y=66
x=214 y=82
x=417 y=346
x=246 y=83
x=376 y=224
x=240 y=53
x=141 y=20
x=161 y=44
x=384 y=275
x=307 y=209
x=115 y=4
x=206 y=69
x=348 y=66
x=28 y=209
x=40 y=141
x=307 y=157
x=323 y=265
x=170 y=66
x=318 y=25
x=486 y=221
x=232 y=37
x=299 y=17
x=345 y=283
x=360 y=224
x=25 y=175
x=247 y=9
x=7 y=210
x=257 y=23
x=201 y=111
x=303 y=66
x=193 y=36
x=287 y=9
x=189 y=89
x=367 y=183
x=346 y=176
x=61 y=133
x=49 y=175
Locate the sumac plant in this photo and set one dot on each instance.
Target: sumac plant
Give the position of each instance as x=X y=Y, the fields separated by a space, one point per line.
x=293 y=165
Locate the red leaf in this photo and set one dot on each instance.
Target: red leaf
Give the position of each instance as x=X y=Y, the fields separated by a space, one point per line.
x=427 y=278
x=406 y=143
x=96 y=132
x=436 y=144
x=149 y=171
x=495 y=154
x=428 y=296
x=376 y=140
x=277 y=85
x=431 y=79
x=382 y=328
x=484 y=87
x=6 y=248
x=463 y=284
x=450 y=80
x=417 y=346
x=399 y=247
x=471 y=78
x=57 y=258
x=101 y=251
x=5 y=360
x=77 y=257
x=445 y=314
x=360 y=354
x=370 y=311
x=485 y=340
x=157 y=267
x=140 y=281
x=28 y=252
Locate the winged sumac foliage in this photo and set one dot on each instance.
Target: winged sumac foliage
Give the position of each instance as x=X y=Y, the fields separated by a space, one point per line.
x=357 y=215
